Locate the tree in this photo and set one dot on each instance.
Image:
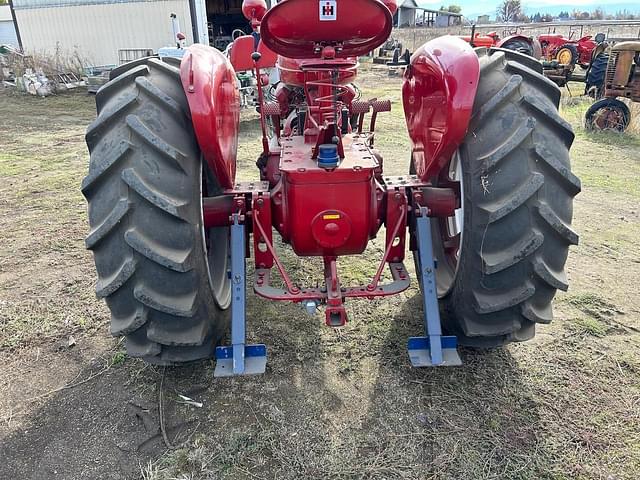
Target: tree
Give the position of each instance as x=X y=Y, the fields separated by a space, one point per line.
x=537 y=17
x=624 y=15
x=451 y=8
x=510 y=10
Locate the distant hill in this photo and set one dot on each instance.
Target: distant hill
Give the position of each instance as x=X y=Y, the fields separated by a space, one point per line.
x=611 y=8
x=472 y=8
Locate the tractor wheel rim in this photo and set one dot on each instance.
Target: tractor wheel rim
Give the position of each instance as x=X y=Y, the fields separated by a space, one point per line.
x=609 y=118
x=447 y=232
x=564 y=56
x=217 y=259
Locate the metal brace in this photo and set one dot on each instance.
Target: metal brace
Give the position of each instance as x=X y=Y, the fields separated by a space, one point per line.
x=434 y=349
x=239 y=358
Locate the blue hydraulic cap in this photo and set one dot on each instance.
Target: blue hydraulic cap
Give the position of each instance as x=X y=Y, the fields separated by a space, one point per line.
x=328 y=155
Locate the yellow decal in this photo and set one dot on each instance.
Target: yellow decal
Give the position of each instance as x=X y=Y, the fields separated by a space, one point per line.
x=333 y=216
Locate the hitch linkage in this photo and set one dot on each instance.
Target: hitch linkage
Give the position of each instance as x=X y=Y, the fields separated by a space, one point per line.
x=433 y=349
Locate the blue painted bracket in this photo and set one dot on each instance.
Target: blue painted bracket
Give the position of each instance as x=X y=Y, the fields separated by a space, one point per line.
x=434 y=349
x=239 y=358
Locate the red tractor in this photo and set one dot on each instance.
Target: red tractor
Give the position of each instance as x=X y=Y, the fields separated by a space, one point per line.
x=485 y=207
x=567 y=52
x=518 y=43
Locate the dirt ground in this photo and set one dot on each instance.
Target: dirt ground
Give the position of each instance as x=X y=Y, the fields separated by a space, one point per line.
x=334 y=403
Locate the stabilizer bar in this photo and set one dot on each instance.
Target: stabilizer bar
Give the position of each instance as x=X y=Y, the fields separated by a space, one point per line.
x=434 y=349
x=239 y=358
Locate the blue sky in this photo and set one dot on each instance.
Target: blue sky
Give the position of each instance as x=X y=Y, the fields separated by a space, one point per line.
x=477 y=7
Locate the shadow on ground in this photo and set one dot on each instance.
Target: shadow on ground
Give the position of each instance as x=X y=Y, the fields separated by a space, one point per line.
x=332 y=405
x=475 y=421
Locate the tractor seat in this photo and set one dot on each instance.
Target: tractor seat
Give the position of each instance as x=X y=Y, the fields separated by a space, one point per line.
x=301 y=28
x=241 y=50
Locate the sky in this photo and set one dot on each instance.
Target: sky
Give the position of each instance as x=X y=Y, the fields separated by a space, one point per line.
x=472 y=8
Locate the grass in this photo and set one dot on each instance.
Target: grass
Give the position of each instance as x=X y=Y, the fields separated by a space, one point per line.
x=611 y=166
x=344 y=404
x=44 y=267
x=593 y=305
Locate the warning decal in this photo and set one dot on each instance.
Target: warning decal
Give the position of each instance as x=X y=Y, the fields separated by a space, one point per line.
x=327 y=10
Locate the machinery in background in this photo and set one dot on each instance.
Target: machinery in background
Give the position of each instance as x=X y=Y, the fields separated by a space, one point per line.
x=517 y=42
x=569 y=52
x=621 y=81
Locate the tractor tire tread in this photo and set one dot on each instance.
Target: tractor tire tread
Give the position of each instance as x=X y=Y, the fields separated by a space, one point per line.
x=546 y=86
x=143 y=190
x=506 y=92
x=518 y=191
x=171 y=258
x=521 y=194
x=535 y=104
x=523 y=58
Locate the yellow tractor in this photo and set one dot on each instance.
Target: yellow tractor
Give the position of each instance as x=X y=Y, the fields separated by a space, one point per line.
x=621 y=80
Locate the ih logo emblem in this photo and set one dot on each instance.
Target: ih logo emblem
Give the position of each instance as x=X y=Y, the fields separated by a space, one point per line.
x=327 y=10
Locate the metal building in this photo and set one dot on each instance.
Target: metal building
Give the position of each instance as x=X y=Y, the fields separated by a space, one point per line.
x=7 y=29
x=405 y=16
x=98 y=29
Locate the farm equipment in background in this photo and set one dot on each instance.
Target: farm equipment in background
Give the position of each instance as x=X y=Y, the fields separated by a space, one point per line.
x=594 y=76
x=621 y=80
x=562 y=73
x=558 y=73
x=569 y=52
x=391 y=53
x=387 y=50
x=517 y=42
x=485 y=206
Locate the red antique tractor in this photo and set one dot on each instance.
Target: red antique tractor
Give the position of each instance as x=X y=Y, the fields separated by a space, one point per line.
x=518 y=43
x=566 y=51
x=485 y=207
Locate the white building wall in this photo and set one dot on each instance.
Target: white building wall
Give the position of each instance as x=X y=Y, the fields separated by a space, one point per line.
x=96 y=32
x=5 y=14
x=7 y=30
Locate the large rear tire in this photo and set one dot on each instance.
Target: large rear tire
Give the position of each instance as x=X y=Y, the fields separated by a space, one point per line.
x=163 y=277
x=519 y=45
x=595 y=76
x=567 y=54
x=517 y=194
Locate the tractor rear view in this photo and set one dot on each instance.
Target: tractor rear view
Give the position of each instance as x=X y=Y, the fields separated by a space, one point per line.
x=486 y=208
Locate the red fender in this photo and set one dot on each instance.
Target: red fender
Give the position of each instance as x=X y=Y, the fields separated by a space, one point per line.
x=438 y=92
x=209 y=81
